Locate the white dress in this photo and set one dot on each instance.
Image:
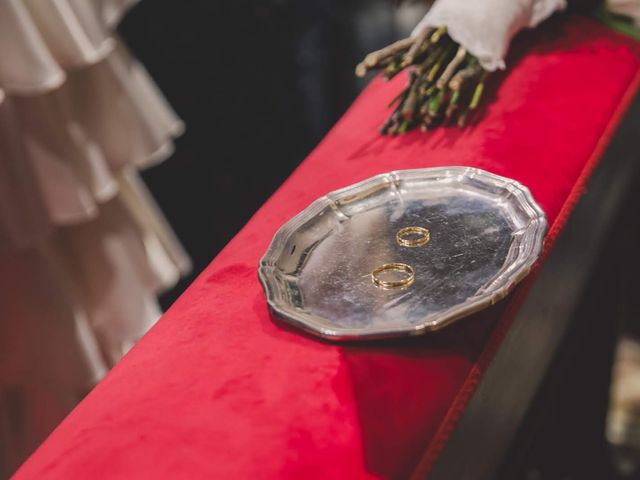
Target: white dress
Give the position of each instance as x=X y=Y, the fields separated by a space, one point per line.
x=84 y=249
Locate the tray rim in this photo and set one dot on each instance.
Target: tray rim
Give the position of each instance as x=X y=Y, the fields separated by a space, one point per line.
x=508 y=279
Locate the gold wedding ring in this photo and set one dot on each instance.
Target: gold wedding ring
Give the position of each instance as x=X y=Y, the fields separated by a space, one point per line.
x=393 y=267
x=413 y=236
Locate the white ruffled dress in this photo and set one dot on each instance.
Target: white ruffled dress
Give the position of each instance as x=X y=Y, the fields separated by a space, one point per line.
x=84 y=249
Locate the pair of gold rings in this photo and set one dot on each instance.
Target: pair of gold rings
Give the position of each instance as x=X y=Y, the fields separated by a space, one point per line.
x=406 y=237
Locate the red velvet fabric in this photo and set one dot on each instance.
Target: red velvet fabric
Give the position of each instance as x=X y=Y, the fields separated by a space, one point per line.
x=218 y=389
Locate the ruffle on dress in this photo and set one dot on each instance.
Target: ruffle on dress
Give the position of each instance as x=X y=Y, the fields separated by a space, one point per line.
x=84 y=249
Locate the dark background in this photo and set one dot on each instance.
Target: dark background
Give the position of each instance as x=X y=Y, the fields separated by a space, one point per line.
x=258 y=84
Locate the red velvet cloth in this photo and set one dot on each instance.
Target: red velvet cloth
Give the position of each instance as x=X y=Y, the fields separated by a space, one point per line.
x=219 y=390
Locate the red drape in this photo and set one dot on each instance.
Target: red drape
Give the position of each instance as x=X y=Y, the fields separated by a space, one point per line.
x=219 y=390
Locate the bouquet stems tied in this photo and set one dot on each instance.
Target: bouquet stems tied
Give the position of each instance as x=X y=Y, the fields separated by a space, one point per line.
x=446 y=83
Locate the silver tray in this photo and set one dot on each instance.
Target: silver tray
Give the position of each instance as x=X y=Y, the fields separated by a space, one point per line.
x=486 y=233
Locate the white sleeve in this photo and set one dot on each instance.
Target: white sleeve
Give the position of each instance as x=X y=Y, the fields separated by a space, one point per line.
x=485 y=27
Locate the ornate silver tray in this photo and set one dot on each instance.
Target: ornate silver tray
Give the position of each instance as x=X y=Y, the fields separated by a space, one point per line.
x=486 y=232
